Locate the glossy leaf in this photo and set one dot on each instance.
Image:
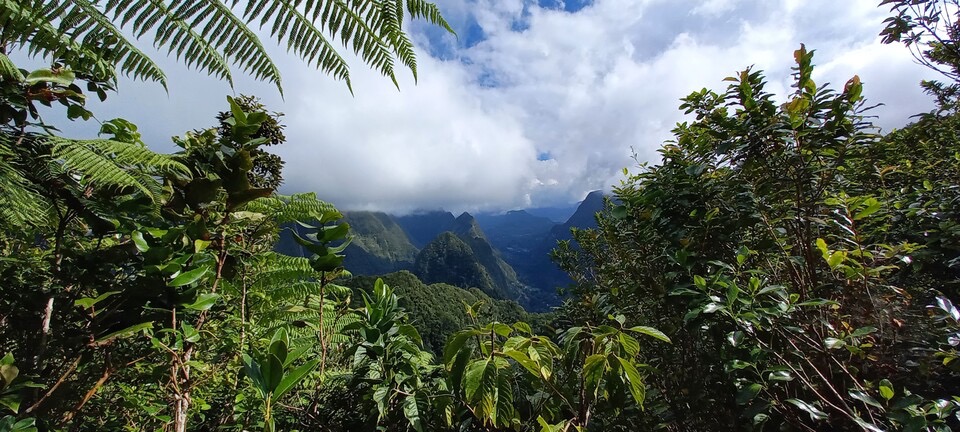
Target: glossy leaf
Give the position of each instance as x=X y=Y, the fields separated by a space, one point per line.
x=652 y=332
x=189 y=277
x=292 y=378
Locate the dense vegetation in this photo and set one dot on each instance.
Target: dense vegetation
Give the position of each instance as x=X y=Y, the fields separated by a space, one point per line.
x=784 y=267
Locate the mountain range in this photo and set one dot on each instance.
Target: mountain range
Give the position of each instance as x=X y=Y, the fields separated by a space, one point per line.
x=505 y=256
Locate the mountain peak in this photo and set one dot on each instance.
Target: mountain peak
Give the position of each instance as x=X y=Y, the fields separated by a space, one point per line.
x=587 y=210
x=466 y=225
x=424 y=227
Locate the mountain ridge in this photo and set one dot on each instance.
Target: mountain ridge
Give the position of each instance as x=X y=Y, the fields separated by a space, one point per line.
x=505 y=256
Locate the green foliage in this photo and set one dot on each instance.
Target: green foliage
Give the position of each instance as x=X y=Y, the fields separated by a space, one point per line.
x=389 y=355
x=211 y=37
x=437 y=310
x=782 y=264
x=929 y=29
x=267 y=171
x=783 y=267
x=273 y=373
x=508 y=376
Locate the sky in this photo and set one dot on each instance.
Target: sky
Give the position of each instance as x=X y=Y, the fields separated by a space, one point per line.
x=533 y=104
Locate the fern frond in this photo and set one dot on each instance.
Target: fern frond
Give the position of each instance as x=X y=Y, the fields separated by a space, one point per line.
x=81 y=21
x=239 y=43
x=302 y=36
x=8 y=70
x=298 y=207
x=174 y=33
x=280 y=262
x=20 y=204
x=346 y=20
x=206 y=34
x=108 y=163
x=420 y=9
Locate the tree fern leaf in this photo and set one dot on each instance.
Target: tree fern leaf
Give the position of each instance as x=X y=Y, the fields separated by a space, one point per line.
x=20 y=204
x=109 y=163
x=8 y=70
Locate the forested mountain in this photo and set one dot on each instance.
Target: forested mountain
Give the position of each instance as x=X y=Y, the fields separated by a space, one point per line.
x=378 y=244
x=526 y=242
x=422 y=228
x=511 y=262
x=585 y=217
x=504 y=277
x=437 y=309
x=450 y=260
x=514 y=230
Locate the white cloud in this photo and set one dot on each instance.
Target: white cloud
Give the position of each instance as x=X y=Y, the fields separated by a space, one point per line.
x=583 y=88
x=714 y=7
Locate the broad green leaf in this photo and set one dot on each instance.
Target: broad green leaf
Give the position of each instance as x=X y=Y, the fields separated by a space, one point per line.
x=630 y=345
x=593 y=369
x=456 y=344
x=139 y=241
x=204 y=301
x=523 y=327
x=524 y=361
x=410 y=332
x=836 y=258
x=412 y=412
x=475 y=374
x=633 y=380
x=502 y=329
x=9 y=372
x=200 y=245
x=294 y=377
x=886 y=389
x=871 y=207
x=650 y=331
x=12 y=402
x=381 y=395
x=272 y=370
x=865 y=398
x=252 y=369
x=815 y=413
x=190 y=334
x=87 y=302
x=547 y=427
x=747 y=393
x=822 y=246
x=63 y=77
x=279 y=344
x=292 y=356
x=239 y=116
x=125 y=332
x=780 y=376
x=188 y=277
x=833 y=343
x=25 y=425
x=458 y=366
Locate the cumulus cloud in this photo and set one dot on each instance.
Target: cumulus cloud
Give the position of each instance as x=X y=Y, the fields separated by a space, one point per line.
x=535 y=106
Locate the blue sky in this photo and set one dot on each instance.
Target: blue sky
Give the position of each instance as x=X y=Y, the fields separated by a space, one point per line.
x=536 y=102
